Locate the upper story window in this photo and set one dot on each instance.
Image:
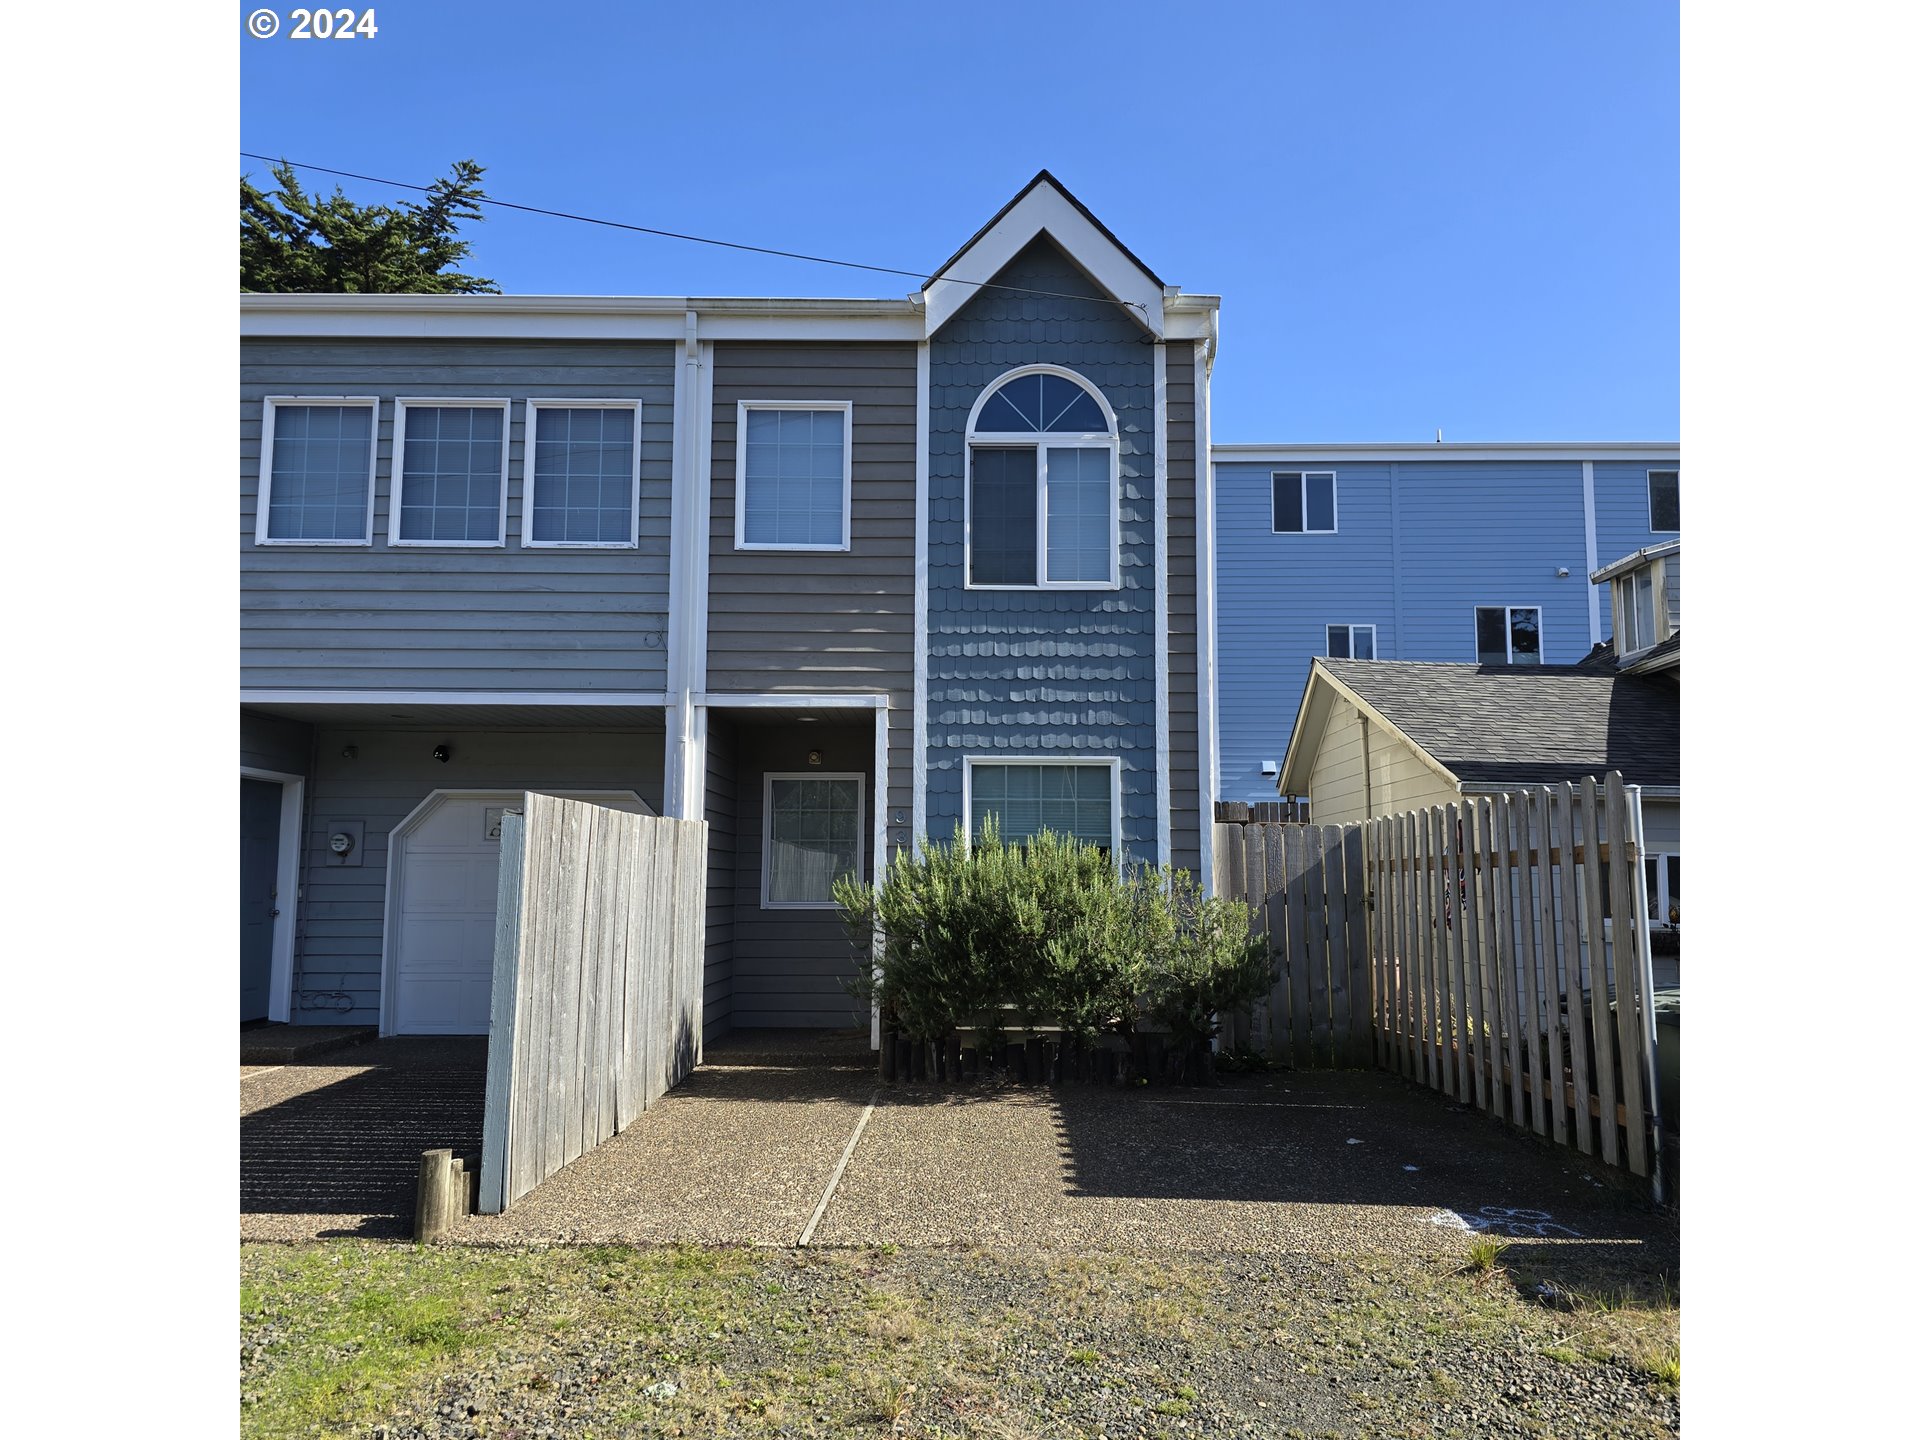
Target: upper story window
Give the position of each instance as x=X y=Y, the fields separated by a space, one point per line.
x=1305 y=502
x=1350 y=642
x=1043 y=508
x=793 y=489
x=316 y=470
x=450 y=476
x=583 y=479
x=1663 y=500
x=1507 y=634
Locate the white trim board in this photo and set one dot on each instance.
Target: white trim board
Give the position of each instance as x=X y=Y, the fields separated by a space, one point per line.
x=742 y=408
x=766 y=833
x=852 y=700
x=396 y=865
x=1044 y=209
x=1204 y=613
x=637 y=698
x=1162 y=666
x=529 y=478
x=286 y=883
x=922 y=429
x=1500 y=450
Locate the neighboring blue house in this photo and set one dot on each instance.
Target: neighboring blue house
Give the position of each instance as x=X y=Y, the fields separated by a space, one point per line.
x=1455 y=552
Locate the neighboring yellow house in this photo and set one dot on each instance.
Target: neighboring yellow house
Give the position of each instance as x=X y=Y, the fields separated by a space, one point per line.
x=1379 y=737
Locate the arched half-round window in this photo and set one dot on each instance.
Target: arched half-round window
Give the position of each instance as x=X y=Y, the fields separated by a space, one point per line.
x=1043 y=452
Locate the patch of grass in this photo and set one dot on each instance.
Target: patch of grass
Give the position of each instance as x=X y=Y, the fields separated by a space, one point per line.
x=888 y=1399
x=1084 y=1357
x=1174 y=1408
x=1665 y=1367
x=1483 y=1255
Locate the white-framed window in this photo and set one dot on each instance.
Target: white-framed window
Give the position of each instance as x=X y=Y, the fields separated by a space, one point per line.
x=1350 y=642
x=1507 y=634
x=449 y=473
x=793 y=480
x=1663 y=888
x=1030 y=794
x=1637 y=629
x=582 y=465
x=1042 y=488
x=1305 y=502
x=317 y=458
x=1663 y=501
x=813 y=832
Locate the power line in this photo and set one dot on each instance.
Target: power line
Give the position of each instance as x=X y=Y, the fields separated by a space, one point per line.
x=678 y=235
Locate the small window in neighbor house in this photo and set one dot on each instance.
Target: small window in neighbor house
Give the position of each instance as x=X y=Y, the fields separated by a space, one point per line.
x=1070 y=799
x=1507 y=634
x=450 y=480
x=316 y=471
x=583 y=481
x=1663 y=500
x=1638 y=629
x=794 y=489
x=1304 y=503
x=1042 y=499
x=814 y=833
x=1350 y=642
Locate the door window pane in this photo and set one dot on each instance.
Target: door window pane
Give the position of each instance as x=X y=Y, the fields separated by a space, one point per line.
x=1490 y=634
x=1319 y=501
x=1362 y=642
x=1524 y=627
x=813 y=837
x=1289 y=505
x=1339 y=646
x=583 y=477
x=1003 y=517
x=318 y=472
x=451 y=474
x=794 y=478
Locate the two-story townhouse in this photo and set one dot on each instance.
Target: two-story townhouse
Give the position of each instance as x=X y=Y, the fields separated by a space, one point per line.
x=834 y=575
x=1444 y=552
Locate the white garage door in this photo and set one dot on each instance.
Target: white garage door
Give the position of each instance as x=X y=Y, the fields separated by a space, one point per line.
x=448 y=890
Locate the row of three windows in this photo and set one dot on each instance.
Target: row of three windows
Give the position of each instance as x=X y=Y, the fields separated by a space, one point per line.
x=319 y=458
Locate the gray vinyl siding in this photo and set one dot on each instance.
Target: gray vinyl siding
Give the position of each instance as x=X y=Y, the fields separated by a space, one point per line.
x=1183 y=651
x=823 y=621
x=343 y=908
x=270 y=742
x=790 y=967
x=721 y=800
x=379 y=617
x=1041 y=672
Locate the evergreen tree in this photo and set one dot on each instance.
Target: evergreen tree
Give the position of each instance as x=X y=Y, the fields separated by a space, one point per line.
x=294 y=243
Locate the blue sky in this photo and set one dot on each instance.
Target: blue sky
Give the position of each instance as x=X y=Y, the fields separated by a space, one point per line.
x=1419 y=215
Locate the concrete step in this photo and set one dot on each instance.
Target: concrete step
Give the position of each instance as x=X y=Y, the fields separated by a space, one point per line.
x=295 y=1044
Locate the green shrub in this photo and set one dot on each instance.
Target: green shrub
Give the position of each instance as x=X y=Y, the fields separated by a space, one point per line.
x=1204 y=962
x=1048 y=933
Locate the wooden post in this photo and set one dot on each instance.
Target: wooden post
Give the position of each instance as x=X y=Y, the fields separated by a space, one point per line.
x=434 y=1198
x=1472 y=1006
x=1594 y=836
x=1503 y=943
x=1576 y=1004
x=1551 y=986
x=1525 y=956
x=1623 y=873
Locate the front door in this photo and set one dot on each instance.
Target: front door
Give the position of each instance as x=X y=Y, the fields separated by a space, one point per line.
x=259 y=873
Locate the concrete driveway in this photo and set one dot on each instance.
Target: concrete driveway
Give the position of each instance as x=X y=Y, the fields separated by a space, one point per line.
x=776 y=1139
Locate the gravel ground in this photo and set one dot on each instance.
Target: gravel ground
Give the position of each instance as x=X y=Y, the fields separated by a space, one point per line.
x=974 y=1343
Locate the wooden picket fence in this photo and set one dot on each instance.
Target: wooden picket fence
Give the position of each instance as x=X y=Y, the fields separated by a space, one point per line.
x=1307 y=888
x=1494 y=949
x=597 y=982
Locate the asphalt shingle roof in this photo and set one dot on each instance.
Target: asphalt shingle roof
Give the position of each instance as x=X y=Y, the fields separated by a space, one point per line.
x=1527 y=724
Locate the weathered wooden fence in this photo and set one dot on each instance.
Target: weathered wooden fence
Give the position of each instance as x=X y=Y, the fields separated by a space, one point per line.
x=1502 y=955
x=1307 y=888
x=598 y=952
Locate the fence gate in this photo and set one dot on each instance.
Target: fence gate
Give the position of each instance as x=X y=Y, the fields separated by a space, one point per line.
x=599 y=948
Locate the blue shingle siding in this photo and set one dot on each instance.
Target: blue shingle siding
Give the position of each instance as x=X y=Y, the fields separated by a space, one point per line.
x=1420 y=544
x=1040 y=672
